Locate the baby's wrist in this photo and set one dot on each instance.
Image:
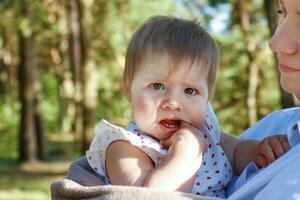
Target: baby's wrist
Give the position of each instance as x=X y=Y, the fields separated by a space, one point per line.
x=188 y=150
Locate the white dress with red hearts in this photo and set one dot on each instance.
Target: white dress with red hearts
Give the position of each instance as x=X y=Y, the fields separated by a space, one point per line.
x=211 y=179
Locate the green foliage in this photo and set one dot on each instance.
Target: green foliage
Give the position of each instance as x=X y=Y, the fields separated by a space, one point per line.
x=9 y=124
x=50 y=104
x=8 y=4
x=108 y=26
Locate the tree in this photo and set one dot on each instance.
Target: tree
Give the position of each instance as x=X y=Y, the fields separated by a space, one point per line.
x=31 y=136
x=77 y=70
x=90 y=75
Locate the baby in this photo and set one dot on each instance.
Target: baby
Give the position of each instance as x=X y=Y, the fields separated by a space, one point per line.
x=172 y=144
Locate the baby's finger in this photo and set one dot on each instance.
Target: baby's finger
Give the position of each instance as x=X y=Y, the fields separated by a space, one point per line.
x=267 y=152
x=261 y=161
x=284 y=142
x=277 y=147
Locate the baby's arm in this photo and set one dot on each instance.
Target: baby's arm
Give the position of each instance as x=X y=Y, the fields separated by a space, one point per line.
x=239 y=152
x=127 y=165
x=263 y=153
x=178 y=170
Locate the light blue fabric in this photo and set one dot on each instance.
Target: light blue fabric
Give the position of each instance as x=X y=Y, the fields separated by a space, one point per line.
x=266 y=178
x=238 y=181
x=280 y=122
x=277 y=122
x=285 y=185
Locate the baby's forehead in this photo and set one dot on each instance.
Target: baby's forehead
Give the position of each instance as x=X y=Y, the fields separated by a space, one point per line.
x=165 y=61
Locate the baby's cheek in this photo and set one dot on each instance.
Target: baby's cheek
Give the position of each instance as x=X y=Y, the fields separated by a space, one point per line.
x=144 y=106
x=140 y=107
x=198 y=117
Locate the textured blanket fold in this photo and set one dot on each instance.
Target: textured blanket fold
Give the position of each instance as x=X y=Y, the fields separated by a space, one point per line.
x=83 y=183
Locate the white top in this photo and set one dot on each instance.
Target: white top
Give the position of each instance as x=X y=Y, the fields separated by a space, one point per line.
x=212 y=177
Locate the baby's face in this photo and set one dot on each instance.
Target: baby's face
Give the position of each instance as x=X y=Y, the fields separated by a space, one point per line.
x=162 y=99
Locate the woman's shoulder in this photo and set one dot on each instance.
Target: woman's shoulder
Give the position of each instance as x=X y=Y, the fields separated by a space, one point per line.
x=283 y=116
x=287 y=112
x=276 y=122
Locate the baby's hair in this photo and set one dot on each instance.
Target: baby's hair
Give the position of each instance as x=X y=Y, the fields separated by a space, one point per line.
x=181 y=39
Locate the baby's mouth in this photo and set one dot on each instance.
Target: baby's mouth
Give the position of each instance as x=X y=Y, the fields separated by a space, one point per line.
x=170 y=125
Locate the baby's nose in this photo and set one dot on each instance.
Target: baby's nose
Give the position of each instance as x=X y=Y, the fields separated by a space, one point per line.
x=172 y=105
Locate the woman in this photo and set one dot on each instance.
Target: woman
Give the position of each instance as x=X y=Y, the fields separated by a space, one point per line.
x=286 y=43
x=282 y=178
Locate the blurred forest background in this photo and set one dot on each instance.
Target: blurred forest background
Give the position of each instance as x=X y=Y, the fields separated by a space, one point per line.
x=61 y=64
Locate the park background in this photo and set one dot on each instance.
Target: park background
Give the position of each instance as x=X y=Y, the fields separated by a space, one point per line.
x=61 y=64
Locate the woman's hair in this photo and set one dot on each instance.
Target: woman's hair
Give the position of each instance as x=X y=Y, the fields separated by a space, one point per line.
x=181 y=39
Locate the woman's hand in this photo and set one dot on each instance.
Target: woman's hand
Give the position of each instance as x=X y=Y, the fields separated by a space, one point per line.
x=271 y=148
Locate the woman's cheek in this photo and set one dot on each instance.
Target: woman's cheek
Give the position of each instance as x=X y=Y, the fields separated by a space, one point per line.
x=291 y=84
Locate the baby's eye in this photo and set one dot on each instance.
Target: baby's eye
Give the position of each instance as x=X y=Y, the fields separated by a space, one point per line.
x=157 y=86
x=190 y=91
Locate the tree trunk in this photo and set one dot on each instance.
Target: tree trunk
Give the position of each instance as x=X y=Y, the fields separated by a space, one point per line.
x=270 y=7
x=31 y=136
x=38 y=118
x=244 y=22
x=90 y=76
x=76 y=65
x=27 y=135
x=4 y=67
x=3 y=77
x=65 y=86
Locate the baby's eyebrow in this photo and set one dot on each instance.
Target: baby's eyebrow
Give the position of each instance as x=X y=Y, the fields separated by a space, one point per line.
x=193 y=85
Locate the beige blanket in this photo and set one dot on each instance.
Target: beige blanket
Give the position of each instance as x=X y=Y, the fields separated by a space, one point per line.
x=83 y=183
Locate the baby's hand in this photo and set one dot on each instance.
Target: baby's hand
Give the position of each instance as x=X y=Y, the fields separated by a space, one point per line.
x=178 y=169
x=191 y=135
x=271 y=148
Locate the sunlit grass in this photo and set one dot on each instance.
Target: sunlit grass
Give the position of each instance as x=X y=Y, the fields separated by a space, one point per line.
x=29 y=181
x=17 y=194
x=26 y=187
x=32 y=180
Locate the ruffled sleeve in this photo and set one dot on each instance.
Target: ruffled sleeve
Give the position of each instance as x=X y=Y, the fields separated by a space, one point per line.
x=106 y=133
